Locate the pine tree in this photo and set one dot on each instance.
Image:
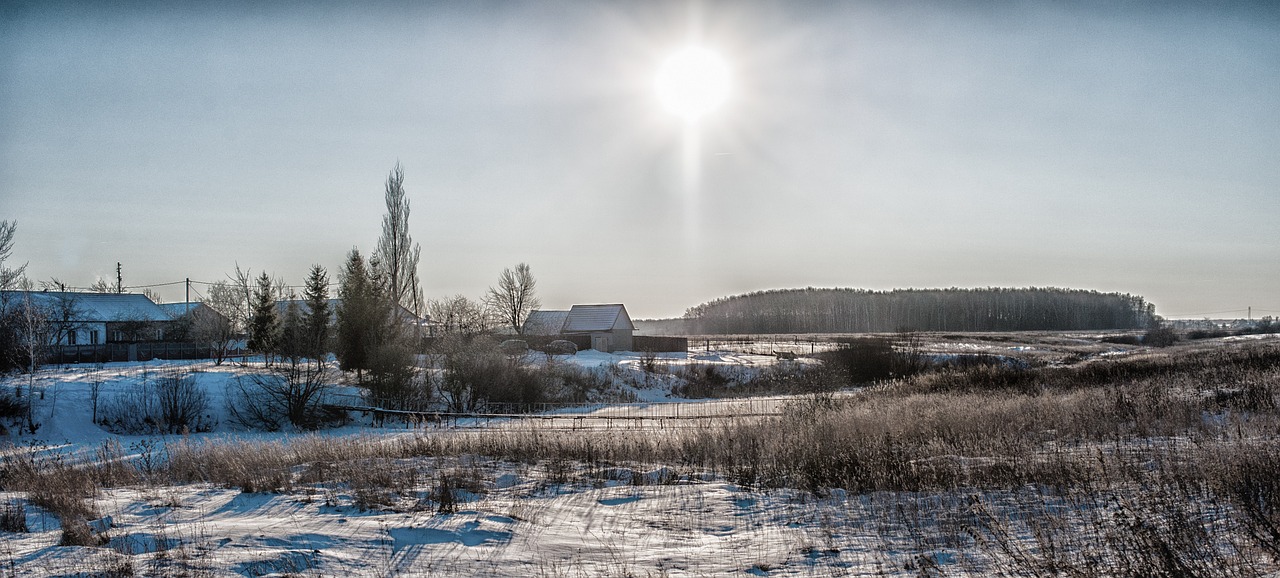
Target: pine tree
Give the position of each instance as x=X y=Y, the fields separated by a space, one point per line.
x=264 y=327
x=360 y=315
x=292 y=343
x=316 y=320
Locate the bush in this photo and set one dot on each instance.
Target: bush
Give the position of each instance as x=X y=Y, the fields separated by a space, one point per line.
x=561 y=347
x=13 y=517
x=1159 y=337
x=1207 y=334
x=289 y=394
x=872 y=359
x=1124 y=339
x=477 y=372
x=169 y=402
x=12 y=408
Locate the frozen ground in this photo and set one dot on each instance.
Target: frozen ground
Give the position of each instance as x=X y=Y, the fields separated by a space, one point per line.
x=516 y=525
x=513 y=523
x=512 y=519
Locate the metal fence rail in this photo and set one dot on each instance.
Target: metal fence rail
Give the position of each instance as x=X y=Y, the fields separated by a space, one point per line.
x=570 y=416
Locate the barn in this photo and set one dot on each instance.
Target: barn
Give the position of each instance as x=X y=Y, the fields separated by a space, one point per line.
x=608 y=327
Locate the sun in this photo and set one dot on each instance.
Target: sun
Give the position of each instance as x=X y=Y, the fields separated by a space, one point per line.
x=692 y=82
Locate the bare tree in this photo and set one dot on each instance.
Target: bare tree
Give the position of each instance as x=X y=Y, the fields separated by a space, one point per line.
x=514 y=297
x=215 y=324
x=34 y=337
x=241 y=312
x=459 y=315
x=53 y=284
x=134 y=326
x=9 y=278
x=63 y=316
x=95 y=391
x=291 y=394
x=396 y=255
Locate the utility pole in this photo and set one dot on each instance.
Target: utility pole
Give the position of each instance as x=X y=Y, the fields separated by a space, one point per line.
x=119 y=279
x=188 y=295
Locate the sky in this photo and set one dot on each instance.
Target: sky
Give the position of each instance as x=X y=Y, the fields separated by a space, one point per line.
x=1116 y=146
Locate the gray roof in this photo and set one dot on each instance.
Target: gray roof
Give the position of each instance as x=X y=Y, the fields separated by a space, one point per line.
x=176 y=310
x=195 y=308
x=596 y=318
x=545 y=322
x=99 y=307
x=282 y=307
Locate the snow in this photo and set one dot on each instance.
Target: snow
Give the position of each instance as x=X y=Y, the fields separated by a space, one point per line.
x=522 y=519
x=684 y=527
x=517 y=524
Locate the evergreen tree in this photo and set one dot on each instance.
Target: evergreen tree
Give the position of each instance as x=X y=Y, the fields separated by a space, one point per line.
x=264 y=326
x=316 y=320
x=292 y=343
x=361 y=314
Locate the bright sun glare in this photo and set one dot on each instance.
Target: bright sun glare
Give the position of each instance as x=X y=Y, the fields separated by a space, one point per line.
x=693 y=82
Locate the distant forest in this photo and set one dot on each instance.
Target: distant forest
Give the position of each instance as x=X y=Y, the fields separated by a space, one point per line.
x=858 y=310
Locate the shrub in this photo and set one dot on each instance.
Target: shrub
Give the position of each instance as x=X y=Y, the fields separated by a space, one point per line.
x=393 y=380
x=476 y=372
x=874 y=359
x=1124 y=339
x=13 y=517
x=1159 y=337
x=12 y=408
x=168 y=402
x=286 y=395
x=561 y=347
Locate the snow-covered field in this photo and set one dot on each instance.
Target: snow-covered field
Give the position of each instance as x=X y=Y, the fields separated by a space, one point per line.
x=513 y=522
x=534 y=518
x=516 y=525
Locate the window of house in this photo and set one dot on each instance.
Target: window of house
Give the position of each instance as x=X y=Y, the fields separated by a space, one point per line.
x=71 y=338
x=117 y=336
x=93 y=337
x=159 y=335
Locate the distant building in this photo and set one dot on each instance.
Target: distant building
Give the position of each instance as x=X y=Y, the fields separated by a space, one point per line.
x=282 y=307
x=189 y=315
x=96 y=318
x=608 y=327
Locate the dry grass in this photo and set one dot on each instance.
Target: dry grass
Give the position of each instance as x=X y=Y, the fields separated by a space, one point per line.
x=1160 y=464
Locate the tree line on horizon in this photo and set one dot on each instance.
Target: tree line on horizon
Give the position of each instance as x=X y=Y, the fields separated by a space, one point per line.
x=840 y=310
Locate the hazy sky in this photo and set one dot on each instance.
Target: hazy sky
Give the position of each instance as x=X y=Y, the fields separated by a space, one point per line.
x=1116 y=146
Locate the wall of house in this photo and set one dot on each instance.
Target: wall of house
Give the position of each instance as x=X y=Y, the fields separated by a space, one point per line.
x=83 y=334
x=622 y=340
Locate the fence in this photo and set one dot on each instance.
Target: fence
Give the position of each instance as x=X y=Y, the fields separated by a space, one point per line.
x=569 y=415
x=660 y=344
x=790 y=345
x=108 y=352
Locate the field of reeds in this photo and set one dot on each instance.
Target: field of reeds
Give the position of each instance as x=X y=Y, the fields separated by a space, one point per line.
x=1165 y=462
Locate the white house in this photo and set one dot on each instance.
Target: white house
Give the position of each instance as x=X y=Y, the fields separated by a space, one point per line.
x=94 y=318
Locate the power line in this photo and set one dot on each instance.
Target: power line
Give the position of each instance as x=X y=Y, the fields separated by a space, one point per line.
x=153 y=285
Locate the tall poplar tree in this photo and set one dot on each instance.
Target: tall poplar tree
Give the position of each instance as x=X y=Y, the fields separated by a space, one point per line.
x=397 y=255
